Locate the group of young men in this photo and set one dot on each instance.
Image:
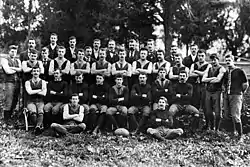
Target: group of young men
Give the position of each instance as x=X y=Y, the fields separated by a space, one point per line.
x=73 y=89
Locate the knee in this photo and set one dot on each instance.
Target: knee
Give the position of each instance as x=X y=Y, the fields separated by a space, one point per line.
x=146 y=111
x=124 y=111
x=150 y=131
x=131 y=110
x=104 y=109
x=54 y=125
x=82 y=126
x=155 y=106
x=110 y=111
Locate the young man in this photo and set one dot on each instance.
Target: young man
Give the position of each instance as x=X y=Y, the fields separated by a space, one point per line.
x=140 y=101
x=71 y=52
x=53 y=46
x=46 y=61
x=214 y=79
x=98 y=100
x=192 y=58
x=181 y=99
x=161 y=63
x=80 y=67
x=132 y=53
x=151 y=51
x=11 y=67
x=118 y=101
x=57 y=94
x=36 y=89
x=122 y=67
x=24 y=56
x=236 y=85
x=112 y=55
x=141 y=66
x=175 y=70
x=102 y=66
x=96 y=48
x=197 y=71
x=60 y=63
x=159 y=123
x=171 y=57
x=73 y=115
x=162 y=87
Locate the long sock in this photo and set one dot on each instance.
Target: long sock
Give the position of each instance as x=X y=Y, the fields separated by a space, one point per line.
x=92 y=119
x=142 y=122
x=211 y=119
x=123 y=121
x=39 y=120
x=33 y=118
x=133 y=124
x=47 y=119
x=113 y=121
x=7 y=115
x=158 y=136
x=100 y=120
x=217 y=123
x=195 y=124
x=238 y=126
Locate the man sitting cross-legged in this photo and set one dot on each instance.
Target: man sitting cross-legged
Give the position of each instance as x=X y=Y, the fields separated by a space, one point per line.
x=118 y=99
x=36 y=90
x=73 y=114
x=159 y=123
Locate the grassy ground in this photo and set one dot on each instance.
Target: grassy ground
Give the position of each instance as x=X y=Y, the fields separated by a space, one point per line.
x=19 y=148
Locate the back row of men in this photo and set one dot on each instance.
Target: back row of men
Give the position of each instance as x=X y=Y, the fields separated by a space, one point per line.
x=195 y=86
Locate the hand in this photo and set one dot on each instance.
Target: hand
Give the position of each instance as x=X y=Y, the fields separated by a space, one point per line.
x=80 y=94
x=121 y=99
x=103 y=95
x=158 y=120
x=52 y=92
x=166 y=90
x=178 y=95
x=144 y=95
x=94 y=96
x=124 y=72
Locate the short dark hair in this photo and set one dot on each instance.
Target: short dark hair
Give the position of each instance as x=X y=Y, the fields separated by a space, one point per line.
x=143 y=49
x=183 y=72
x=118 y=76
x=33 y=51
x=35 y=67
x=202 y=51
x=214 y=56
x=87 y=47
x=162 y=69
x=13 y=47
x=58 y=69
x=80 y=50
x=61 y=47
x=99 y=74
x=33 y=39
x=72 y=37
x=53 y=34
x=160 y=50
x=150 y=40
x=163 y=98
x=229 y=56
x=74 y=94
x=143 y=73
x=121 y=50
x=45 y=49
x=97 y=39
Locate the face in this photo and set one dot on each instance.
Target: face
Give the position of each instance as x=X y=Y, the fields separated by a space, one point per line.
x=74 y=100
x=80 y=55
x=57 y=74
x=72 y=43
x=99 y=79
x=61 y=53
x=194 y=49
x=160 y=56
x=177 y=59
x=45 y=54
x=111 y=45
x=215 y=62
x=102 y=54
x=162 y=74
x=150 y=45
x=36 y=72
x=122 y=55
x=88 y=51
x=143 y=54
x=33 y=56
x=13 y=53
x=119 y=82
x=79 y=78
x=131 y=45
x=97 y=44
x=201 y=57
x=53 y=39
x=229 y=61
x=142 y=79
x=173 y=50
x=162 y=104
x=182 y=77
x=32 y=44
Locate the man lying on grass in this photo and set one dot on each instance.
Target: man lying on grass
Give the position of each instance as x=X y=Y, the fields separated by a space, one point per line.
x=159 y=123
x=73 y=114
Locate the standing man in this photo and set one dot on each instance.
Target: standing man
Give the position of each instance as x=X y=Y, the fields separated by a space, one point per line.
x=236 y=85
x=11 y=66
x=89 y=56
x=60 y=63
x=173 y=52
x=118 y=101
x=151 y=51
x=71 y=52
x=53 y=46
x=36 y=89
x=192 y=58
x=73 y=115
x=24 y=56
x=214 y=79
x=141 y=66
x=197 y=71
x=46 y=61
x=181 y=99
x=122 y=68
x=112 y=55
x=175 y=70
x=161 y=63
x=96 y=48
x=132 y=53
x=140 y=101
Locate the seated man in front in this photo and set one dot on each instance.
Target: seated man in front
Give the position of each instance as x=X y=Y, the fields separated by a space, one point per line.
x=181 y=100
x=159 y=124
x=36 y=90
x=56 y=96
x=73 y=114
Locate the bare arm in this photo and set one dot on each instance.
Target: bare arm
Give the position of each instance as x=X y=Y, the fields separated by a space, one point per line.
x=19 y=68
x=29 y=90
x=67 y=68
x=155 y=71
x=72 y=69
x=171 y=75
x=80 y=116
x=41 y=67
x=6 y=67
x=220 y=76
x=44 y=89
x=134 y=70
x=95 y=71
x=66 y=115
x=205 y=77
x=25 y=68
x=114 y=71
x=192 y=73
x=51 y=67
x=147 y=71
